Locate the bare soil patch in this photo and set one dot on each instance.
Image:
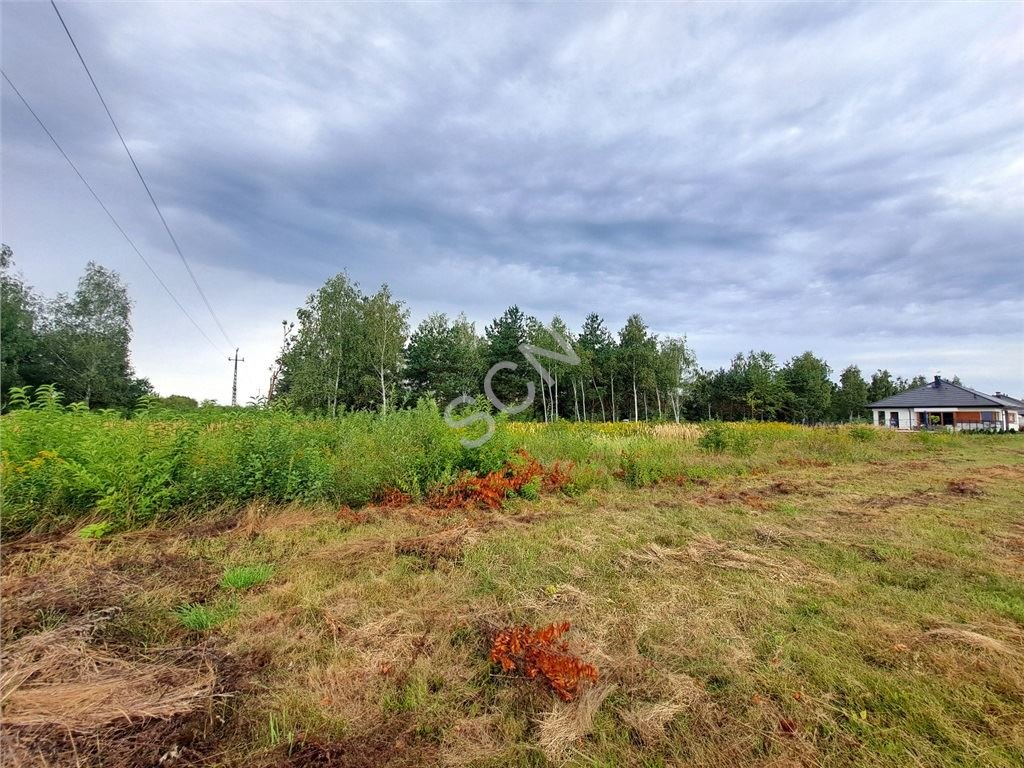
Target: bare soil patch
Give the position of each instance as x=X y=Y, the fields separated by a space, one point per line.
x=393 y=744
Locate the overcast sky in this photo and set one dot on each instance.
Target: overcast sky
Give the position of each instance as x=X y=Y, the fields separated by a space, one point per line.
x=847 y=179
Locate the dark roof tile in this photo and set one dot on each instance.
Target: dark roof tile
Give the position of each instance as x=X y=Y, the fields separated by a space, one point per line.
x=940 y=394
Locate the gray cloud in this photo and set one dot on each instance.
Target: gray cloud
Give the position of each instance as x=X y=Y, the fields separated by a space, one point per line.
x=835 y=177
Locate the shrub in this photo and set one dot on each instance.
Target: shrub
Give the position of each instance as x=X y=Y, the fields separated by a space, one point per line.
x=61 y=463
x=741 y=441
x=715 y=438
x=584 y=477
x=531 y=489
x=862 y=433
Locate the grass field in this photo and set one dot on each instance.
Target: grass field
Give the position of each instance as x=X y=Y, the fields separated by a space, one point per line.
x=754 y=595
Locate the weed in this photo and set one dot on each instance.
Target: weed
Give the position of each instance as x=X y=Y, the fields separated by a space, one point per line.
x=95 y=530
x=531 y=489
x=200 y=617
x=741 y=442
x=246 y=576
x=277 y=734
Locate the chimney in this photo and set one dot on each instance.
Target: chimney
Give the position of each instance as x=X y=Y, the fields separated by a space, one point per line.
x=938 y=381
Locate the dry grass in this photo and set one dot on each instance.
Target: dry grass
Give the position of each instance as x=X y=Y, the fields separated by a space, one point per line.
x=68 y=699
x=59 y=680
x=973 y=639
x=568 y=723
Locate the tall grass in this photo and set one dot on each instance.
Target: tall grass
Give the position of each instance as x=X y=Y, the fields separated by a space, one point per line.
x=59 y=464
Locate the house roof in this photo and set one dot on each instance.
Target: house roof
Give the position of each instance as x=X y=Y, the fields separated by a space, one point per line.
x=1010 y=402
x=941 y=393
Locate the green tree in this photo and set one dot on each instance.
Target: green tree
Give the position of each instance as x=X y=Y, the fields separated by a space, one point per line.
x=325 y=367
x=637 y=354
x=540 y=336
x=560 y=371
x=385 y=328
x=676 y=367
x=85 y=342
x=176 y=403
x=764 y=386
x=810 y=389
x=443 y=359
x=19 y=339
x=504 y=335
x=596 y=349
x=751 y=387
x=881 y=386
x=851 y=399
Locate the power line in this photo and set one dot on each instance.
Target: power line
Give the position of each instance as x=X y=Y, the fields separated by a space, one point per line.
x=107 y=210
x=141 y=177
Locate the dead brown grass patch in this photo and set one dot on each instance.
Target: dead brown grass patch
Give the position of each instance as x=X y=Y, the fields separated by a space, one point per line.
x=68 y=700
x=83 y=582
x=971 y=638
x=569 y=722
x=922 y=498
x=701 y=550
x=434 y=547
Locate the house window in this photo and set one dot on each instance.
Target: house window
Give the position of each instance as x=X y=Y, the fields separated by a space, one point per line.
x=894 y=419
x=988 y=416
x=881 y=418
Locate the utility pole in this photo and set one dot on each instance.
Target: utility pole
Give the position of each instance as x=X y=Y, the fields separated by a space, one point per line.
x=234 y=382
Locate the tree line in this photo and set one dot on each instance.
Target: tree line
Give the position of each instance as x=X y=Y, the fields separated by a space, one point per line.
x=348 y=350
x=351 y=350
x=357 y=351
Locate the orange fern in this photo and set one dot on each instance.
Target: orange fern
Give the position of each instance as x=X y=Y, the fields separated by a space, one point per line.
x=393 y=498
x=541 y=654
x=492 y=489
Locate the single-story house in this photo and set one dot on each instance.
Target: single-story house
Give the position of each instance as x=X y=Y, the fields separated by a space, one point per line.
x=1014 y=404
x=941 y=404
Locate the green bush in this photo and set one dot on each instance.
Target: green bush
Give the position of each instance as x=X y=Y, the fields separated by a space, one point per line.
x=862 y=433
x=531 y=490
x=715 y=438
x=586 y=476
x=741 y=442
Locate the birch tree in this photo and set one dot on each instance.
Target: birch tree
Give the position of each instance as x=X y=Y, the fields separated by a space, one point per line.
x=637 y=351
x=324 y=367
x=385 y=328
x=86 y=339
